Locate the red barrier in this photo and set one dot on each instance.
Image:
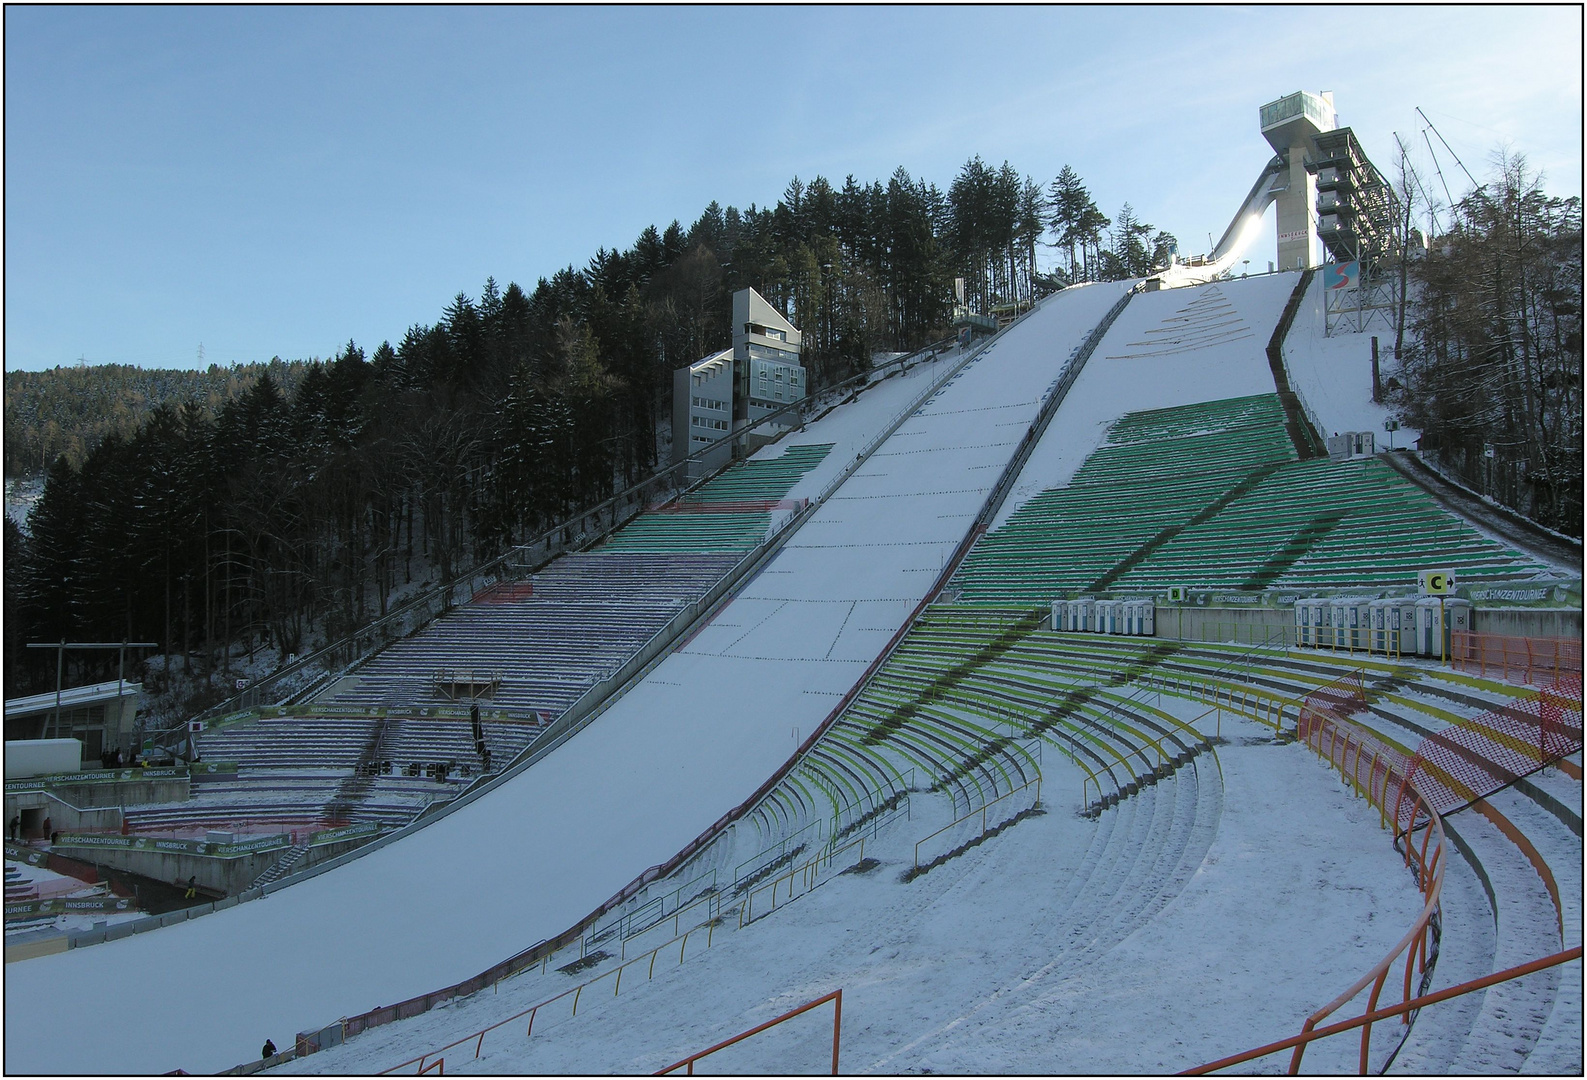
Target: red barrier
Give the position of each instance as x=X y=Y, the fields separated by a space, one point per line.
x=1516 y=659
x=732 y=506
x=508 y=592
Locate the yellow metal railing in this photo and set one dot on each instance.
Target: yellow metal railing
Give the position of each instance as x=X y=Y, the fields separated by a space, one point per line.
x=1036 y=783
x=807 y=874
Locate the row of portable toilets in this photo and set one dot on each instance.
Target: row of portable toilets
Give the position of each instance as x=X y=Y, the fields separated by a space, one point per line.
x=1400 y=626
x=1133 y=617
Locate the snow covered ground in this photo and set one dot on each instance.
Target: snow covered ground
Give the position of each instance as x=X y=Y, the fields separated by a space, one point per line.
x=1196 y=919
x=526 y=861
x=1332 y=376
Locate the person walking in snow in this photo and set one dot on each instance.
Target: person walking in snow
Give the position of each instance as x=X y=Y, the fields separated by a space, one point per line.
x=192 y=891
x=269 y=1050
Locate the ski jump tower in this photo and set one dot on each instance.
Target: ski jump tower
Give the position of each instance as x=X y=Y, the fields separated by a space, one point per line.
x=1331 y=202
x=1291 y=126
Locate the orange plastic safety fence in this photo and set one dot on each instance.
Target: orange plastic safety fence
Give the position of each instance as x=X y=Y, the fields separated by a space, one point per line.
x=1474 y=758
x=1533 y=661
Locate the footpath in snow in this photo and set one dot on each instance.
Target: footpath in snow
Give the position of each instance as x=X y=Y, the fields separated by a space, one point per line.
x=531 y=858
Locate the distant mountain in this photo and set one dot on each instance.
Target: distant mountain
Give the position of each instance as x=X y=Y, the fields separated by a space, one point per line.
x=70 y=410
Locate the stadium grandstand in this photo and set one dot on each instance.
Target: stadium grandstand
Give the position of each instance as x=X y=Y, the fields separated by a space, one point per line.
x=984 y=697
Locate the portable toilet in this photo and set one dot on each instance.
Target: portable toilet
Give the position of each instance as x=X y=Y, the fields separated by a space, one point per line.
x=1378 y=637
x=1082 y=614
x=1358 y=613
x=1132 y=617
x=1400 y=625
x=1147 y=626
x=1107 y=617
x=1322 y=622
x=1457 y=616
x=1339 y=621
x=1305 y=622
x=1060 y=612
x=1429 y=634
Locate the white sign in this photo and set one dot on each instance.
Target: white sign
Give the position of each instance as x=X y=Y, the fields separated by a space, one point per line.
x=1177 y=594
x=1435 y=582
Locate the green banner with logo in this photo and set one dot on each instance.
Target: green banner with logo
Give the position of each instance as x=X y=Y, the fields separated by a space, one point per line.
x=110 y=776
x=250 y=846
x=67 y=905
x=346 y=832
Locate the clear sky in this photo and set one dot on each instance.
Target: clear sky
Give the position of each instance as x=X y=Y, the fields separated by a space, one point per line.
x=275 y=181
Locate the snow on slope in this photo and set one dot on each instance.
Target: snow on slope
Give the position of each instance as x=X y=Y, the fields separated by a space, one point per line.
x=1332 y=376
x=531 y=858
x=1230 y=925
x=1174 y=347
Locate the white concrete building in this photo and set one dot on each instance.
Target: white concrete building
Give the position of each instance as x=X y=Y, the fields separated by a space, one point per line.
x=760 y=374
x=766 y=352
x=702 y=407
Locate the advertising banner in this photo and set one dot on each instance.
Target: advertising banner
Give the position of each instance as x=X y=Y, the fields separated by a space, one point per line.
x=1345 y=275
x=346 y=832
x=105 y=776
x=176 y=847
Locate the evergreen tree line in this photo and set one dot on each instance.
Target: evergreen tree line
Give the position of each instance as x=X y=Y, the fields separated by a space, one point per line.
x=1493 y=366
x=69 y=410
x=288 y=515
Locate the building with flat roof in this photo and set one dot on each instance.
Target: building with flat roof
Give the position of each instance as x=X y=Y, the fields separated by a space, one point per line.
x=702 y=409
x=101 y=716
x=737 y=386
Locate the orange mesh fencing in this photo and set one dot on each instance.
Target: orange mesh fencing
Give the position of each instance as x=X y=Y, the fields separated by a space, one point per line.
x=1472 y=759
x=1516 y=659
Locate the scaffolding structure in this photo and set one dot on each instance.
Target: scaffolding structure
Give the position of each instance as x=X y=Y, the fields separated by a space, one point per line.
x=1357 y=221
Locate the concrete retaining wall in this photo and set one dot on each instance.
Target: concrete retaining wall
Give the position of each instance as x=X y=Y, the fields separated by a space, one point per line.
x=1527 y=622
x=1246 y=624
x=229 y=875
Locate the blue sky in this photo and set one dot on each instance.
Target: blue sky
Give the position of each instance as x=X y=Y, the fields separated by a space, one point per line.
x=275 y=181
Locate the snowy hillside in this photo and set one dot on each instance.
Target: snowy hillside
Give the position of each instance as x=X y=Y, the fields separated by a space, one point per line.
x=1192 y=883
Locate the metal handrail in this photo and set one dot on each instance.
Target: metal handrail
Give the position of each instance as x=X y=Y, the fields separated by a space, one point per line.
x=1372 y=1017
x=810 y=870
x=1428 y=865
x=982 y=811
x=836 y=997
x=576 y=991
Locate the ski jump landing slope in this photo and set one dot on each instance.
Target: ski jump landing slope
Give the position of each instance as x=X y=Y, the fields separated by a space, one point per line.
x=696 y=737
